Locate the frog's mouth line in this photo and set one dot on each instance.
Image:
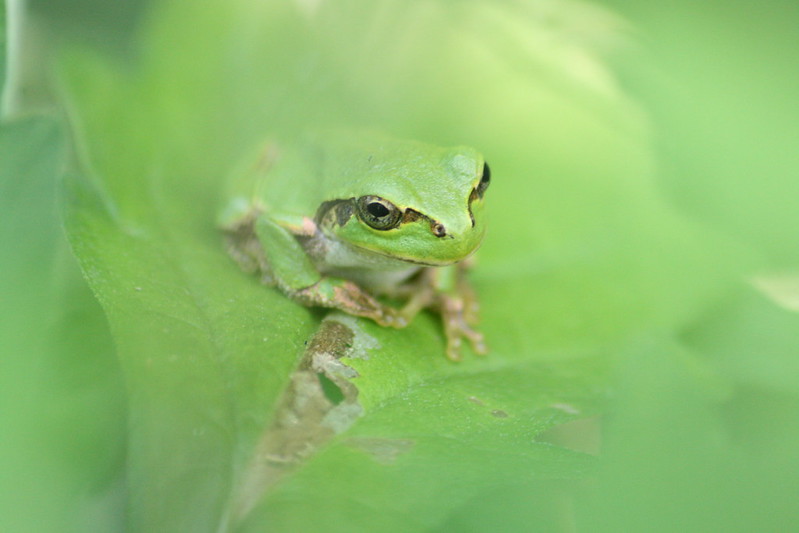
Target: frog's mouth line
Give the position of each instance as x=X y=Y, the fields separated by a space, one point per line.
x=412 y=261
x=436 y=227
x=415 y=261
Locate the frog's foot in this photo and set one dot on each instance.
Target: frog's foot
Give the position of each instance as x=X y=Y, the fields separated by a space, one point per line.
x=243 y=246
x=460 y=317
x=350 y=298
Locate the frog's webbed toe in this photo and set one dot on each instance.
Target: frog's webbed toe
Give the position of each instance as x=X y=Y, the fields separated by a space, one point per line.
x=354 y=300
x=460 y=316
x=350 y=298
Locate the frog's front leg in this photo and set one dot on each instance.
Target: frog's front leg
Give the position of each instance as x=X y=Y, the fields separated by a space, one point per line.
x=457 y=304
x=297 y=276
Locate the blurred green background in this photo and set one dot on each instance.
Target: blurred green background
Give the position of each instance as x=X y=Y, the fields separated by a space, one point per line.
x=639 y=280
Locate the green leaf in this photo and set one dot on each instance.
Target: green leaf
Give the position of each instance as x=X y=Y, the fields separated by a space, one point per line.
x=680 y=457
x=61 y=407
x=724 y=113
x=228 y=429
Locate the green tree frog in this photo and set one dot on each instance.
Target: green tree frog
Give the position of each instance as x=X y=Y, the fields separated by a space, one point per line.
x=342 y=219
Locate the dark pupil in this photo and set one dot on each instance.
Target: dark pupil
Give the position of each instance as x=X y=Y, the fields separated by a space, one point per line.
x=486 y=174
x=377 y=210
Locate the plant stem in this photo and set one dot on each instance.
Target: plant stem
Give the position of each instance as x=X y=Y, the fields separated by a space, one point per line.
x=27 y=87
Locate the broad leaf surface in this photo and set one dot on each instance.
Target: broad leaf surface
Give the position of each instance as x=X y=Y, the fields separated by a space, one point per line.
x=582 y=254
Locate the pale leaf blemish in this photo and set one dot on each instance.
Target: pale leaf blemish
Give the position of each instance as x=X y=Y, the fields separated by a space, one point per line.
x=330 y=365
x=383 y=451
x=342 y=417
x=583 y=435
x=308 y=416
x=362 y=343
x=566 y=408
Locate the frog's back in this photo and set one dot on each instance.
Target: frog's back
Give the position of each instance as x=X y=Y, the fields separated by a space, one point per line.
x=294 y=182
x=295 y=178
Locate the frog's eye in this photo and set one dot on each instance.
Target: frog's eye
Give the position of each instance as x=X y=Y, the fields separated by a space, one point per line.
x=378 y=212
x=485 y=180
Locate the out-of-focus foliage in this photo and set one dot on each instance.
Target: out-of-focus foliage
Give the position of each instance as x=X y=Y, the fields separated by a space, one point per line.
x=61 y=404
x=719 y=85
x=600 y=295
x=37 y=30
x=2 y=42
x=109 y=25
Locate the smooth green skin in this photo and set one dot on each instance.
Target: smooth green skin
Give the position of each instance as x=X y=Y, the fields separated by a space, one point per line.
x=432 y=180
x=287 y=184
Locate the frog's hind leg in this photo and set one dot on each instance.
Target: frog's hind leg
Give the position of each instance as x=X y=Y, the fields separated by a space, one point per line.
x=296 y=275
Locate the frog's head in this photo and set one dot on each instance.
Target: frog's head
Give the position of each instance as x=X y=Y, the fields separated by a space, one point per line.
x=410 y=201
